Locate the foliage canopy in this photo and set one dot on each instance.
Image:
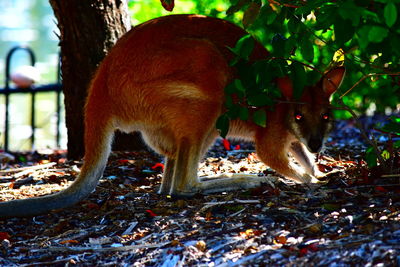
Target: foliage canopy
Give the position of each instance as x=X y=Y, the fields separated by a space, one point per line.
x=362 y=35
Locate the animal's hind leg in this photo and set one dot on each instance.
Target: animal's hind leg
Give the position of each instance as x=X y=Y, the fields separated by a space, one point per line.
x=166 y=183
x=184 y=180
x=162 y=141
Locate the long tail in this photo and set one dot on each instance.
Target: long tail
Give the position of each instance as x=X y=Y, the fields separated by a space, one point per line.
x=98 y=139
x=91 y=172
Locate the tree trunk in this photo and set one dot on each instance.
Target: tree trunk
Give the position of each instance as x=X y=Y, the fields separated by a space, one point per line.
x=88 y=30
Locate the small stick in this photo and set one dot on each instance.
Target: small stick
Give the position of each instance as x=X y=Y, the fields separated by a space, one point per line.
x=390 y=175
x=106 y=249
x=365 y=77
x=28 y=169
x=237 y=201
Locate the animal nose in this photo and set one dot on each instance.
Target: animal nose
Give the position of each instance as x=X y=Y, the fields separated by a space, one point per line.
x=315 y=144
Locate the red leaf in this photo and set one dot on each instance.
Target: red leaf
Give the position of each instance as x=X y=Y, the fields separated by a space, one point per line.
x=380 y=189
x=313 y=247
x=92 y=206
x=303 y=252
x=11 y=186
x=168 y=4
x=158 y=165
x=71 y=241
x=237 y=147
x=4 y=235
x=151 y=213
x=227 y=145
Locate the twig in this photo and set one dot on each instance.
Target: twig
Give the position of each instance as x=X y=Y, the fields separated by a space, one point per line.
x=365 y=77
x=390 y=175
x=299 y=62
x=373 y=186
x=49 y=263
x=26 y=170
x=236 y=201
x=128 y=231
x=208 y=205
x=237 y=213
x=350 y=243
x=106 y=249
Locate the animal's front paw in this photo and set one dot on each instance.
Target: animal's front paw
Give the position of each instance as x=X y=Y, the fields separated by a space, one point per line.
x=309 y=179
x=324 y=177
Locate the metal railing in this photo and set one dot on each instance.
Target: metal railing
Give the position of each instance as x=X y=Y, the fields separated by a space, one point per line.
x=32 y=90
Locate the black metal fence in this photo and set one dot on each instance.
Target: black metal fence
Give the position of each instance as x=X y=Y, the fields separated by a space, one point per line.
x=7 y=91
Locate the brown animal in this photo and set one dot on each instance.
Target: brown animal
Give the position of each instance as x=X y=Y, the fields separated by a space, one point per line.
x=166 y=79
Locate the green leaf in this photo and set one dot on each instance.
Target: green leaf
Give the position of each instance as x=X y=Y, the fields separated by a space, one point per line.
x=363 y=40
x=235 y=87
x=228 y=101
x=392 y=127
x=268 y=14
x=390 y=13
x=278 y=45
x=259 y=100
x=233 y=112
x=396 y=144
x=230 y=88
x=222 y=125
x=385 y=154
x=240 y=89
x=351 y=12
x=371 y=157
x=251 y=14
x=243 y=113
x=344 y=30
x=299 y=78
x=331 y=206
x=307 y=50
x=293 y=25
x=377 y=34
x=325 y=17
x=260 y=117
x=244 y=46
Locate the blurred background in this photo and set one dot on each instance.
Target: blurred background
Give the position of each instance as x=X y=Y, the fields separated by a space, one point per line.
x=30 y=23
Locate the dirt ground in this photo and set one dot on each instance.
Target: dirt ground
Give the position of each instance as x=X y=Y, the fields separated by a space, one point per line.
x=353 y=219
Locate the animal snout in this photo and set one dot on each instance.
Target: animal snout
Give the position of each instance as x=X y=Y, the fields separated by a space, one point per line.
x=315 y=144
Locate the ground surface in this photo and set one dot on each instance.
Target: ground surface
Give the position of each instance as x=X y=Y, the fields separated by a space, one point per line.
x=354 y=219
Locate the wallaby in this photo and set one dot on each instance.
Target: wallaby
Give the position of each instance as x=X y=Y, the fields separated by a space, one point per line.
x=166 y=79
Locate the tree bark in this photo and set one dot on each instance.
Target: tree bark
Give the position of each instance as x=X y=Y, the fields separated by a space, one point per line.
x=88 y=29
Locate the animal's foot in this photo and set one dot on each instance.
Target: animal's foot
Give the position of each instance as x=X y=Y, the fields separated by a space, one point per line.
x=222 y=183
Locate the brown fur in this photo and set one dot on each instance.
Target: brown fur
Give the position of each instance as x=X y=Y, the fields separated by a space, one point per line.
x=166 y=78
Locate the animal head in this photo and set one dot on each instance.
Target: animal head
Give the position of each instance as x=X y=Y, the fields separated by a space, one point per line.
x=310 y=120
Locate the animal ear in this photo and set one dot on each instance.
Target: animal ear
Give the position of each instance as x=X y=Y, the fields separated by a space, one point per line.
x=286 y=87
x=332 y=80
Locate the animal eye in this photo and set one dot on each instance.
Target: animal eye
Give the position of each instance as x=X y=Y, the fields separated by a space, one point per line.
x=325 y=117
x=298 y=116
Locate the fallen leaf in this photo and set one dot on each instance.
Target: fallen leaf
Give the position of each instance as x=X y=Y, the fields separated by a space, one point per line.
x=281 y=239
x=4 y=235
x=158 y=166
x=226 y=144
x=70 y=241
x=201 y=245
x=151 y=213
